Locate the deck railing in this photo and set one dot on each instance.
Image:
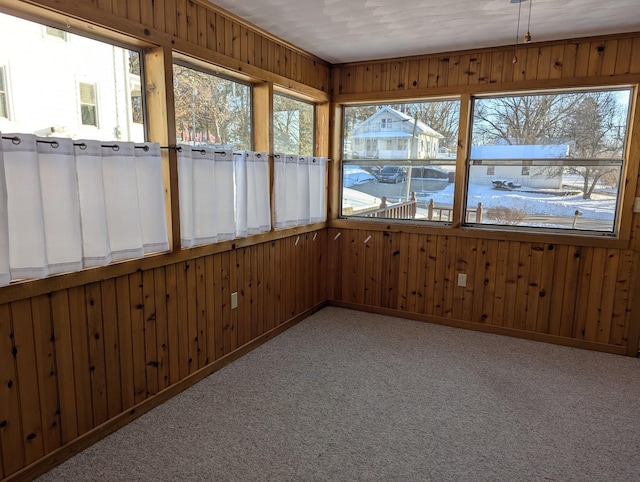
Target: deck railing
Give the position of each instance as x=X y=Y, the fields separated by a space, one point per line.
x=436 y=212
x=404 y=210
x=408 y=210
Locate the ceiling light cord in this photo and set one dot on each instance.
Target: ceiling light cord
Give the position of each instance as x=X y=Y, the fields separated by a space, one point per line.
x=515 y=53
x=527 y=37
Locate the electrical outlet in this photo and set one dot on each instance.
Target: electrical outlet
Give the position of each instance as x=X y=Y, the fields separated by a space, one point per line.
x=636 y=205
x=462 y=279
x=234 y=300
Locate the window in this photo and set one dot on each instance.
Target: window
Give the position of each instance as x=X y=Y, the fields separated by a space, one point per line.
x=68 y=204
x=4 y=101
x=414 y=181
x=293 y=126
x=491 y=171
x=223 y=194
x=88 y=104
x=557 y=158
x=211 y=110
x=55 y=32
x=66 y=102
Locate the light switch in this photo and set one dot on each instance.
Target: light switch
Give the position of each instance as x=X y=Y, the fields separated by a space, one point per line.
x=234 y=300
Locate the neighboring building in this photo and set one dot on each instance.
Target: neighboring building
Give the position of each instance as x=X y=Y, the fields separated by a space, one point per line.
x=387 y=134
x=93 y=91
x=531 y=176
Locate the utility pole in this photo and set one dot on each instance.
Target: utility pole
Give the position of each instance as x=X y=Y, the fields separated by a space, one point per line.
x=411 y=144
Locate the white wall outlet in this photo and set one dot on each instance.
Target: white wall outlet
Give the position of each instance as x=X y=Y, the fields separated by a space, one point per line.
x=234 y=300
x=636 y=205
x=462 y=279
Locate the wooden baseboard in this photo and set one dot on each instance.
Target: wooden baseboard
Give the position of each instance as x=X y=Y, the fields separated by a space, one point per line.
x=497 y=330
x=49 y=461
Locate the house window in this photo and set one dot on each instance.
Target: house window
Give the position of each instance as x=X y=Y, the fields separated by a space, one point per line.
x=211 y=110
x=293 y=125
x=565 y=149
x=137 y=115
x=4 y=101
x=56 y=32
x=491 y=171
x=389 y=144
x=402 y=183
x=65 y=102
x=88 y=104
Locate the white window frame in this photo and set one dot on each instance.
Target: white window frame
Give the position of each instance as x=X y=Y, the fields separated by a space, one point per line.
x=4 y=94
x=94 y=86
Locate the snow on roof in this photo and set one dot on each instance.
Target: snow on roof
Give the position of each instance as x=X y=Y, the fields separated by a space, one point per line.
x=521 y=151
x=420 y=126
x=381 y=134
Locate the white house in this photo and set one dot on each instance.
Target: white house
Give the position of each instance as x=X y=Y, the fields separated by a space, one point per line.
x=95 y=92
x=525 y=175
x=390 y=134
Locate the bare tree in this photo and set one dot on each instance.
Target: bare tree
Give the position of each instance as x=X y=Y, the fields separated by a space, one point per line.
x=211 y=109
x=292 y=125
x=588 y=121
x=442 y=116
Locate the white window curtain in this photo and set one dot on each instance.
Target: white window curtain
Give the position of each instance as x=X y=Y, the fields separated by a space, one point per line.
x=70 y=205
x=206 y=195
x=5 y=274
x=302 y=194
x=317 y=190
x=253 y=206
x=299 y=190
x=153 y=220
x=285 y=190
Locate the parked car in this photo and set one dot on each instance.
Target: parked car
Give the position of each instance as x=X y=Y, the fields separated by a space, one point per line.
x=392 y=174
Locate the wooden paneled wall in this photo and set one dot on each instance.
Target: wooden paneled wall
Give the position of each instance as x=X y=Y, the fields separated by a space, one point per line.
x=565 y=289
x=566 y=63
x=76 y=358
x=569 y=294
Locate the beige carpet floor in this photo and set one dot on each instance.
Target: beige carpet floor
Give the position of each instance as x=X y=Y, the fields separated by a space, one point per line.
x=352 y=396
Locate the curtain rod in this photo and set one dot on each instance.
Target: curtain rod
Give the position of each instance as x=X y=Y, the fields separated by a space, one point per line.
x=16 y=140
x=202 y=151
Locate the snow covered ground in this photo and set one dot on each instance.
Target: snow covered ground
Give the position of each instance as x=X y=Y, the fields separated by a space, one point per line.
x=597 y=213
x=601 y=206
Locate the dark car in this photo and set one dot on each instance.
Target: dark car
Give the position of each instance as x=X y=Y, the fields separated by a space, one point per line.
x=392 y=174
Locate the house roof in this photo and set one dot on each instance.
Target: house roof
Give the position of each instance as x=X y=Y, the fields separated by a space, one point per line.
x=421 y=127
x=520 y=151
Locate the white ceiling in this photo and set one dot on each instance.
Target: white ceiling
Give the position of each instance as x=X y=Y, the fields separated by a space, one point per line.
x=350 y=30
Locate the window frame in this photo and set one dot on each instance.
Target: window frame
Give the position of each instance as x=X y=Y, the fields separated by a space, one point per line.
x=55 y=33
x=290 y=95
x=619 y=231
x=488 y=231
x=215 y=71
x=94 y=86
x=4 y=94
x=403 y=163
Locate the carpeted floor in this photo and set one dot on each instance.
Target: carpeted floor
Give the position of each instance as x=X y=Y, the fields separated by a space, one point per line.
x=346 y=395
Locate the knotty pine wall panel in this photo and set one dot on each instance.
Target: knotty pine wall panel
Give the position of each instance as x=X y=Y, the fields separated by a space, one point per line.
x=463 y=71
x=576 y=292
x=73 y=359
